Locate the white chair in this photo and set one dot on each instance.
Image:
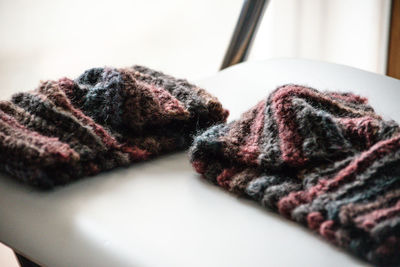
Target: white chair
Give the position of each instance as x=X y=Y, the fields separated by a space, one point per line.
x=161 y=213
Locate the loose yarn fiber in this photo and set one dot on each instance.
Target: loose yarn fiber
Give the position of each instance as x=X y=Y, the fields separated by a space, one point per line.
x=323 y=159
x=106 y=118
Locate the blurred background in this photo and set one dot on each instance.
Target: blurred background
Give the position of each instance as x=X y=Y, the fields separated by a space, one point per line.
x=48 y=39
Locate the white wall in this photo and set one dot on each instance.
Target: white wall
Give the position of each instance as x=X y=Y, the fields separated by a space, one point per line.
x=350 y=32
x=46 y=39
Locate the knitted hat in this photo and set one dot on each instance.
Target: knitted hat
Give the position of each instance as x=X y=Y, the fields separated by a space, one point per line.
x=324 y=160
x=106 y=118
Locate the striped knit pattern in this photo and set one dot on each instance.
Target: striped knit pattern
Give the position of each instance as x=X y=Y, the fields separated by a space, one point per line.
x=106 y=118
x=324 y=160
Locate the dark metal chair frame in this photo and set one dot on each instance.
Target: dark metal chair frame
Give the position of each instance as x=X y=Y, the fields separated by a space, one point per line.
x=245 y=32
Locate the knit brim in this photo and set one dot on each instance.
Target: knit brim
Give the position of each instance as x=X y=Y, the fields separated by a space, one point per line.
x=324 y=160
x=106 y=118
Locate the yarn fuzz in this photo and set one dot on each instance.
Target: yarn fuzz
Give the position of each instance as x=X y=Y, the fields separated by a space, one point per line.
x=106 y=118
x=325 y=160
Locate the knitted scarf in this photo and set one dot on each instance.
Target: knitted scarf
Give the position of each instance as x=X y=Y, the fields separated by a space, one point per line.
x=106 y=118
x=324 y=160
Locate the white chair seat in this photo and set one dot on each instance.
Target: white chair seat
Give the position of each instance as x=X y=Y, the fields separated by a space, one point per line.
x=161 y=213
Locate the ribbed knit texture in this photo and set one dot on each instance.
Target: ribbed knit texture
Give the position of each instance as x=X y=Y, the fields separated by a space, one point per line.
x=106 y=118
x=324 y=160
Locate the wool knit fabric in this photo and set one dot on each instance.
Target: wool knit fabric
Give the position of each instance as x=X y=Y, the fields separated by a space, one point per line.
x=323 y=159
x=106 y=118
